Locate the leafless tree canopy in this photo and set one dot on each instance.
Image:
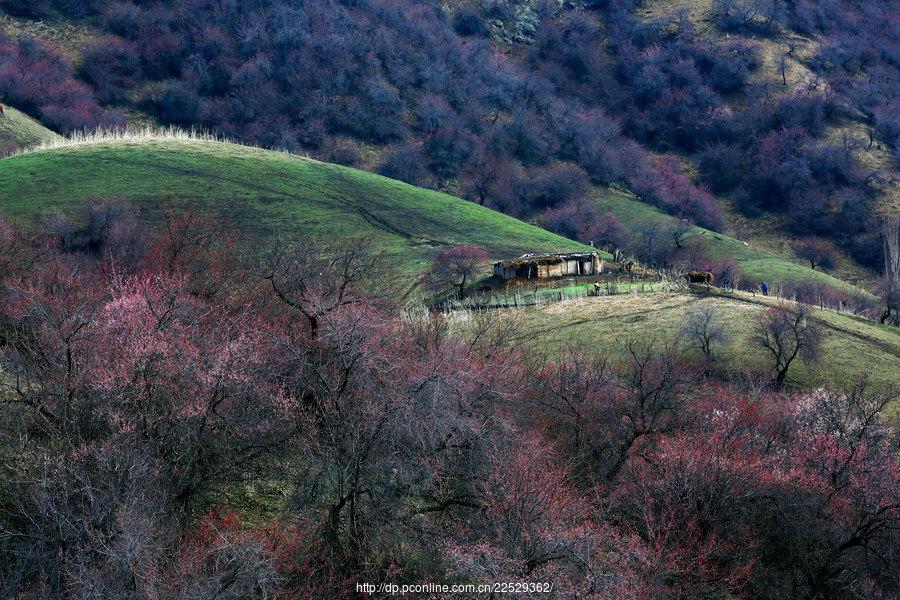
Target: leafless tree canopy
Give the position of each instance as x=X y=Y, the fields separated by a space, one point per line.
x=703 y=329
x=787 y=332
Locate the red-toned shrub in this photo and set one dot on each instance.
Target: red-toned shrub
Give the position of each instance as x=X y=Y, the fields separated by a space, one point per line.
x=606 y=231
x=534 y=525
x=404 y=162
x=111 y=66
x=723 y=270
x=676 y=194
x=816 y=252
x=37 y=78
x=569 y=219
x=455 y=267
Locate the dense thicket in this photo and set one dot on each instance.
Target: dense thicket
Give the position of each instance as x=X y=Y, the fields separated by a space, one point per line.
x=521 y=105
x=676 y=89
x=179 y=421
x=37 y=78
x=446 y=109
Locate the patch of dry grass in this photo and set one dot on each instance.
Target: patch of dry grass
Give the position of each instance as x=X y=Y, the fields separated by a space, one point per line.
x=70 y=36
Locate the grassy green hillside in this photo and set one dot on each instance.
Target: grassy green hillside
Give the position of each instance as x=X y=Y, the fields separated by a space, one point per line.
x=756 y=264
x=263 y=190
x=18 y=130
x=277 y=192
x=851 y=344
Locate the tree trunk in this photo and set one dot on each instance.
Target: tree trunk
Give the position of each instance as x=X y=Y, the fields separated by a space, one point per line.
x=890 y=234
x=890 y=229
x=779 y=380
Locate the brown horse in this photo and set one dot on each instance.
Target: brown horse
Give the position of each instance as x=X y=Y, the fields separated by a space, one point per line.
x=1 y=110
x=700 y=277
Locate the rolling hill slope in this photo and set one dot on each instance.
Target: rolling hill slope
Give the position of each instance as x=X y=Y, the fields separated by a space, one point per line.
x=787 y=63
x=851 y=344
x=272 y=192
x=263 y=190
x=18 y=130
x=755 y=263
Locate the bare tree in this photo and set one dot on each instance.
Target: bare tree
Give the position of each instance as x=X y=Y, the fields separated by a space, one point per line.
x=482 y=172
x=889 y=293
x=92 y=522
x=679 y=230
x=783 y=66
x=455 y=267
x=95 y=226
x=703 y=328
x=652 y=245
x=315 y=277
x=850 y=143
x=880 y=125
x=851 y=463
x=816 y=252
x=574 y=395
x=890 y=283
x=788 y=332
x=783 y=60
x=651 y=385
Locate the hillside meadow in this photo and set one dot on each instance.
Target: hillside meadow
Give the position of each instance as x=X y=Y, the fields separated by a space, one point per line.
x=852 y=345
x=276 y=192
x=265 y=192
x=755 y=264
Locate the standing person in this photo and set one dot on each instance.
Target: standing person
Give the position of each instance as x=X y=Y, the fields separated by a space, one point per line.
x=765 y=288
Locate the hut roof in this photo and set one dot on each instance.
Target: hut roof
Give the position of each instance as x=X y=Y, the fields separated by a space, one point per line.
x=546 y=259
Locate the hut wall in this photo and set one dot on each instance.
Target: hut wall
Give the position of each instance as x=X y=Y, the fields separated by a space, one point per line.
x=585 y=267
x=542 y=268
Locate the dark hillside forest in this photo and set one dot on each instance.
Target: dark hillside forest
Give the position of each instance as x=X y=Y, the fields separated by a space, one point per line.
x=517 y=105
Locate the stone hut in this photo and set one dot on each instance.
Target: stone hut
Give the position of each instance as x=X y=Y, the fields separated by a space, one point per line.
x=545 y=266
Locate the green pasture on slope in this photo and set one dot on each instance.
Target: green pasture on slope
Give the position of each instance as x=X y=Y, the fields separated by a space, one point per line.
x=264 y=191
x=852 y=345
x=756 y=265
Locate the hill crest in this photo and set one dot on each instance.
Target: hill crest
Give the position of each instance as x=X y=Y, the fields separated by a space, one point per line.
x=275 y=190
